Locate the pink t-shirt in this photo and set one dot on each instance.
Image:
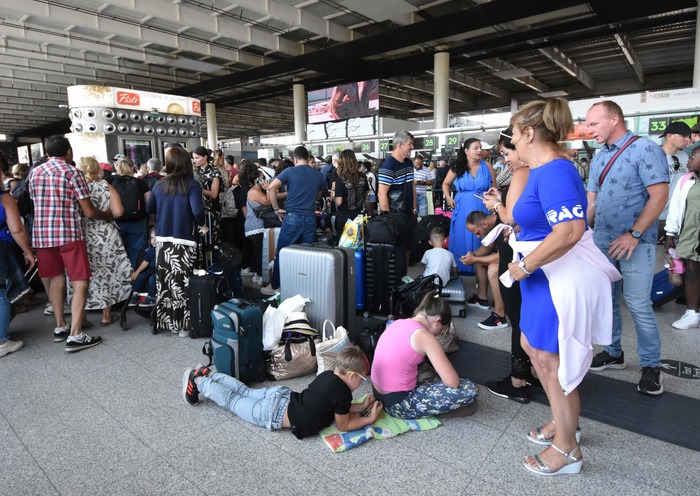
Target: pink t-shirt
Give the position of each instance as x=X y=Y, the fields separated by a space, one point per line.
x=395 y=365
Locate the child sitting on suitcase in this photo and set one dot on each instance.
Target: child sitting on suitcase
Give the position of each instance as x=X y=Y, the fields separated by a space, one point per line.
x=145 y=276
x=328 y=398
x=438 y=260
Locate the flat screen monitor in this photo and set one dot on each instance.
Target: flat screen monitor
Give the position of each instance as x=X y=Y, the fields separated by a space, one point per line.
x=345 y=101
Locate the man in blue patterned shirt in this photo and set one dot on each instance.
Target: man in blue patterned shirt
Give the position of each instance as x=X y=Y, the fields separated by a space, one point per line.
x=625 y=197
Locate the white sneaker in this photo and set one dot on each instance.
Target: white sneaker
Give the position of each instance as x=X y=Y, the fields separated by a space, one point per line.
x=690 y=319
x=267 y=290
x=49 y=309
x=184 y=333
x=246 y=272
x=10 y=347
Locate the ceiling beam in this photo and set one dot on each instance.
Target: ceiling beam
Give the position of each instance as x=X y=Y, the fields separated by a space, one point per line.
x=630 y=56
x=567 y=65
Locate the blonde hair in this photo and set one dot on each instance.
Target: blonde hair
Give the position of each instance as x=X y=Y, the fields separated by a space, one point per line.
x=125 y=167
x=90 y=167
x=551 y=119
x=20 y=170
x=352 y=359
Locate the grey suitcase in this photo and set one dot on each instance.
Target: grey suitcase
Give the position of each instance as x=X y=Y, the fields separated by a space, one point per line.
x=269 y=250
x=456 y=296
x=324 y=275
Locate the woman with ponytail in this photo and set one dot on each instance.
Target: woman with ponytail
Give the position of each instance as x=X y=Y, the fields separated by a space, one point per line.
x=402 y=347
x=470 y=176
x=565 y=284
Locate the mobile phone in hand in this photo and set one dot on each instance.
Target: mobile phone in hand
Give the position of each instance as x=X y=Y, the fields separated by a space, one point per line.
x=479 y=196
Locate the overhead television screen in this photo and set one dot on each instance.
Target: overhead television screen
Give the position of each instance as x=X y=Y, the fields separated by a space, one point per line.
x=344 y=102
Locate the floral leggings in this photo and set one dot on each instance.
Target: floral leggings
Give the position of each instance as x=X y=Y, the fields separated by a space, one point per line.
x=432 y=399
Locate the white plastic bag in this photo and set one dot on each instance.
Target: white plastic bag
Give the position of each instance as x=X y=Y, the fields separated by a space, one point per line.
x=274 y=318
x=327 y=351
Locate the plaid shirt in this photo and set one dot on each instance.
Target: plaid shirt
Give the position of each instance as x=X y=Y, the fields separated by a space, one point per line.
x=56 y=187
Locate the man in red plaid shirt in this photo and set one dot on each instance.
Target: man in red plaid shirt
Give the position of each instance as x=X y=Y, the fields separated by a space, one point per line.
x=61 y=197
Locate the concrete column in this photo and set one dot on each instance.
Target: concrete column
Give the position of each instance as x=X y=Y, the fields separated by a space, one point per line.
x=299 y=113
x=441 y=94
x=210 y=111
x=513 y=106
x=696 y=63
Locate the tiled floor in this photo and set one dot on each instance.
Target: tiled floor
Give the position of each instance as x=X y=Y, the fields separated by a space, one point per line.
x=111 y=420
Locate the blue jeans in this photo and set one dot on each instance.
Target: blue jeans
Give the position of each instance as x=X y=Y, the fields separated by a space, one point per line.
x=422 y=201
x=637 y=276
x=263 y=407
x=296 y=228
x=134 y=237
x=144 y=278
x=4 y=313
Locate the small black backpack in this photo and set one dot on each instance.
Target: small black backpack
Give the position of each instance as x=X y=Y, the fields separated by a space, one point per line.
x=132 y=198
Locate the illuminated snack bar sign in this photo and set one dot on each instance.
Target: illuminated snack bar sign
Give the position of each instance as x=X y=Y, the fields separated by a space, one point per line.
x=104 y=96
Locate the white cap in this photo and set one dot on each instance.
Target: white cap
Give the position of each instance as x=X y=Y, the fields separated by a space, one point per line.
x=485 y=146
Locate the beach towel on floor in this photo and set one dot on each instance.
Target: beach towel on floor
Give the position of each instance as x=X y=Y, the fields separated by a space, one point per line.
x=385 y=427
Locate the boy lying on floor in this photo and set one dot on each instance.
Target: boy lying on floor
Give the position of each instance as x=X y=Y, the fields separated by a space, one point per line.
x=328 y=398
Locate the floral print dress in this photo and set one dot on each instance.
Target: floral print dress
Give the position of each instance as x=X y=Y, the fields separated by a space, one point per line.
x=110 y=266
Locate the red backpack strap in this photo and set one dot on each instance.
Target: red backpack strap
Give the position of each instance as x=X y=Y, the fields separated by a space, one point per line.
x=612 y=160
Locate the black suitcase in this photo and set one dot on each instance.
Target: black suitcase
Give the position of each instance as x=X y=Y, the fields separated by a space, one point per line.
x=385 y=266
x=205 y=292
x=421 y=235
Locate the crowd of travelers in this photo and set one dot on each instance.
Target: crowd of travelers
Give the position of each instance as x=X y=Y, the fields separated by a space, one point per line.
x=552 y=241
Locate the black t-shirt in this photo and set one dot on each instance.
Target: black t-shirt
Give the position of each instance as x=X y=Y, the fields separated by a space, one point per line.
x=314 y=408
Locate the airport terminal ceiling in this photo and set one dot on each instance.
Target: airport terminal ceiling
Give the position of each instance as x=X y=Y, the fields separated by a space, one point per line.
x=245 y=55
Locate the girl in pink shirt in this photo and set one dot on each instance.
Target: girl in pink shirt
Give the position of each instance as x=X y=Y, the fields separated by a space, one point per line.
x=401 y=349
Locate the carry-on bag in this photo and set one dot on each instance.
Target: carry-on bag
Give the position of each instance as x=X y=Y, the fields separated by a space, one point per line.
x=324 y=275
x=360 y=280
x=421 y=235
x=406 y=297
x=205 y=292
x=387 y=228
x=385 y=266
x=662 y=291
x=455 y=294
x=269 y=249
x=332 y=343
x=236 y=343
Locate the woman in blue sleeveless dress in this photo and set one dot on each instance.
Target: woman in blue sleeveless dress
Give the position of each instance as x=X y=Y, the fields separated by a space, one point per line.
x=470 y=176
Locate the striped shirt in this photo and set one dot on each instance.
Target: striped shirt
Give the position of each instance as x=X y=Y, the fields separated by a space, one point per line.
x=422 y=174
x=399 y=177
x=56 y=187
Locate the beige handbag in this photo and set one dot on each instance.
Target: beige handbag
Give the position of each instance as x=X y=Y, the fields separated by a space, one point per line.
x=327 y=351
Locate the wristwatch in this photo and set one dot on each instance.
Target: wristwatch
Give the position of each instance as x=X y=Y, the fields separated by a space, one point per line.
x=522 y=267
x=635 y=234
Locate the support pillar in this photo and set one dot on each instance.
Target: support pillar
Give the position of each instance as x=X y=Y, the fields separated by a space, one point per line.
x=441 y=94
x=299 y=113
x=210 y=110
x=696 y=62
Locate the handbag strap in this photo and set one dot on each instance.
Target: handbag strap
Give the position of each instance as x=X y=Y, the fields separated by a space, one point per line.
x=612 y=160
x=327 y=321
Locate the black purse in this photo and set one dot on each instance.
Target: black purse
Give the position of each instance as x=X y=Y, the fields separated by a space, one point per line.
x=405 y=298
x=268 y=216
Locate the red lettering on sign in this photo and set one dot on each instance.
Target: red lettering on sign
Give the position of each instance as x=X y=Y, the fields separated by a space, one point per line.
x=196 y=108
x=126 y=98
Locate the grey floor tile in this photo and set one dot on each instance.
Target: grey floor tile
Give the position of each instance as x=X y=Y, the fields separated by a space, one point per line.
x=19 y=472
x=228 y=456
x=459 y=442
x=157 y=477
x=478 y=487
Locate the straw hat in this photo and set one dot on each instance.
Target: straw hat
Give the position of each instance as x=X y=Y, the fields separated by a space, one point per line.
x=299 y=322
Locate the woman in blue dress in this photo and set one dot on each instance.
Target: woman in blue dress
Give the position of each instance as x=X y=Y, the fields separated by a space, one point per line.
x=470 y=176
x=566 y=291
